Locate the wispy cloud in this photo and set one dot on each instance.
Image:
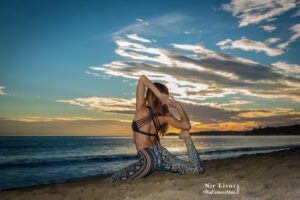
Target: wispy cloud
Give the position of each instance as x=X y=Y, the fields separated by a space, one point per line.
x=268 y=28
x=287 y=69
x=270 y=113
x=249 y=45
x=47 y=119
x=236 y=103
x=246 y=44
x=105 y=104
x=142 y=21
x=138 y=38
x=2 y=90
x=256 y=11
x=200 y=52
x=154 y=26
x=140 y=52
x=295 y=29
x=272 y=40
x=227 y=126
x=296 y=14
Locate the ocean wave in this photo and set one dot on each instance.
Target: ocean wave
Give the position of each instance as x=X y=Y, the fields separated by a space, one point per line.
x=67 y=161
x=31 y=163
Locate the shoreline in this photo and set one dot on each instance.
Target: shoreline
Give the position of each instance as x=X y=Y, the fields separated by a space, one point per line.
x=103 y=176
x=277 y=172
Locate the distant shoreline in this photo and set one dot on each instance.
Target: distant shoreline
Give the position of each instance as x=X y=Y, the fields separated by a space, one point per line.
x=280 y=130
x=130 y=136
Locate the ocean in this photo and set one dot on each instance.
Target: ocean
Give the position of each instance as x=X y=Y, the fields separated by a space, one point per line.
x=27 y=161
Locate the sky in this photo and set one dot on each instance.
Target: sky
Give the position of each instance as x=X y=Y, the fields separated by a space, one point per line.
x=71 y=67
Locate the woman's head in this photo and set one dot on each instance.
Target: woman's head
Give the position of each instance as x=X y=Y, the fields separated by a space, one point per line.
x=156 y=104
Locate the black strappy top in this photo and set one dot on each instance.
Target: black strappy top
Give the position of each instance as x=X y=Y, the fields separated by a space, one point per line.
x=136 y=125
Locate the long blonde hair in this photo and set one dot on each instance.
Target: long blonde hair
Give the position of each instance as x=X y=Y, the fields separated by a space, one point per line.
x=156 y=104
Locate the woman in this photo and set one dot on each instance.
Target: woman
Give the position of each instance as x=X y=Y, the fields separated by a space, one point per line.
x=152 y=116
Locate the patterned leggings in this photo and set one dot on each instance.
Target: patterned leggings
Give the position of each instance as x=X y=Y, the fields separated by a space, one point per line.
x=158 y=158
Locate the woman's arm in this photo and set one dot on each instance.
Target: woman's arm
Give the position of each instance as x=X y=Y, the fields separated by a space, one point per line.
x=183 y=116
x=183 y=123
x=151 y=86
x=140 y=93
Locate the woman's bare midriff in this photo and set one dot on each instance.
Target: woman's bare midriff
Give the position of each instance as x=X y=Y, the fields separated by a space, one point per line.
x=143 y=141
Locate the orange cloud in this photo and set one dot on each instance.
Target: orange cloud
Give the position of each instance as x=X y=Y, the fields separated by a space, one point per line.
x=55 y=127
x=268 y=113
x=226 y=126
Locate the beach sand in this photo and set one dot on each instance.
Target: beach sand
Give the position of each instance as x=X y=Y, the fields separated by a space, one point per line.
x=273 y=176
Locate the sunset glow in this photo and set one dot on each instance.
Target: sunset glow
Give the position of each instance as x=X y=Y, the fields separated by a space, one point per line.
x=232 y=66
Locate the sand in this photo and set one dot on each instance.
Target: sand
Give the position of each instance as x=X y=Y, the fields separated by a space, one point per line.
x=273 y=176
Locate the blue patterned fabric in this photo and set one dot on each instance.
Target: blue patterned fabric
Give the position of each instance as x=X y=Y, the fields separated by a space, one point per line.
x=158 y=158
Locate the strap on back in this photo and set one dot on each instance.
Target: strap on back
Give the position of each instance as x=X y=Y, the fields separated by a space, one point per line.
x=146 y=120
x=155 y=119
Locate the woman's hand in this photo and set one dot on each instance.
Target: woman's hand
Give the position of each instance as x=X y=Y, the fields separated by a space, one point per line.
x=172 y=103
x=166 y=99
x=163 y=98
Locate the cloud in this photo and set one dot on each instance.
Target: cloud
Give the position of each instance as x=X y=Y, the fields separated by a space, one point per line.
x=269 y=113
x=204 y=116
x=199 y=49
x=268 y=28
x=48 y=119
x=249 y=45
x=256 y=11
x=223 y=115
x=138 y=38
x=204 y=52
x=296 y=14
x=272 y=40
x=2 y=90
x=105 y=104
x=271 y=19
x=257 y=46
x=140 y=52
x=236 y=103
x=287 y=69
x=60 y=126
x=196 y=76
x=296 y=34
x=194 y=73
x=142 y=21
x=227 y=126
x=154 y=26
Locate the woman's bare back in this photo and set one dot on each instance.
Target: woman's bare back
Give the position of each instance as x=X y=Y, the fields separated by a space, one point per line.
x=141 y=140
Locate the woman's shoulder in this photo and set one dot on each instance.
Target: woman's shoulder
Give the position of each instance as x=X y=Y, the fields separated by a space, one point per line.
x=143 y=108
x=141 y=111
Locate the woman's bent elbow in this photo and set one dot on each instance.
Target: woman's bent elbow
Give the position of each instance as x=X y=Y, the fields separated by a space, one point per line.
x=142 y=77
x=187 y=126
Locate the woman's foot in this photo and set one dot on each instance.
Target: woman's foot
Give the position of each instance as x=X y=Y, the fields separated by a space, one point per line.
x=184 y=135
